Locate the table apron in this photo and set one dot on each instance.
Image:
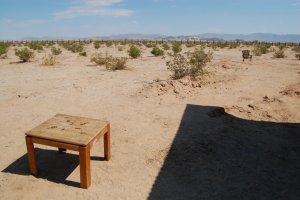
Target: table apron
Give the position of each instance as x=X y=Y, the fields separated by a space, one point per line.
x=55 y=144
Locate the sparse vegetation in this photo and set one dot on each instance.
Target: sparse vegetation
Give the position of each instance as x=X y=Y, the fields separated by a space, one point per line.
x=56 y=51
x=97 y=44
x=166 y=47
x=296 y=49
x=297 y=55
x=120 y=48
x=279 y=54
x=134 y=52
x=176 y=47
x=3 y=48
x=110 y=62
x=83 y=53
x=75 y=47
x=35 y=45
x=49 y=60
x=24 y=54
x=260 y=49
x=191 y=65
x=156 y=51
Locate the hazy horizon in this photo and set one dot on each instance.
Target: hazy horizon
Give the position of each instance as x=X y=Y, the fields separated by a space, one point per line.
x=91 y=18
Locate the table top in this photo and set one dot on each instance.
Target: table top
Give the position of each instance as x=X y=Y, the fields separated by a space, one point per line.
x=69 y=129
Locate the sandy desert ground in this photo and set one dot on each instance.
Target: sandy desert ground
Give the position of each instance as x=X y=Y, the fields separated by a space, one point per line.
x=234 y=134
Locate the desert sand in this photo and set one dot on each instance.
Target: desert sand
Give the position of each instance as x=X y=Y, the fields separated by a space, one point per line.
x=233 y=134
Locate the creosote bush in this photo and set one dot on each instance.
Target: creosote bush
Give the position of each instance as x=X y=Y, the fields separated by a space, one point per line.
x=24 y=54
x=260 y=49
x=279 y=54
x=191 y=65
x=97 y=44
x=83 y=53
x=176 y=47
x=157 y=51
x=110 y=62
x=56 y=51
x=296 y=49
x=134 y=52
x=49 y=60
x=166 y=47
x=75 y=47
x=3 y=48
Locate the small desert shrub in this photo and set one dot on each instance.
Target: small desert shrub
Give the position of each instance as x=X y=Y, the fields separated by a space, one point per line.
x=297 y=55
x=113 y=63
x=83 y=53
x=166 y=47
x=49 y=60
x=296 y=49
x=35 y=46
x=75 y=47
x=176 y=47
x=190 y=44
x=3 y=48
x=110 y=62
x=134 y=52
x=191 y=65
x=179 y=65
x=98 y=59
x=279 y=54
x=260 y=49
x=120 y=48
x=97 y=44
x=108 y=43
x=198 y=60
x=233 y=45
x=24 y=54
x=56 y=51
x=157 y=51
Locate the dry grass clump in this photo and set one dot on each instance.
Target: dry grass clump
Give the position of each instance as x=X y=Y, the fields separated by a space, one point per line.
x=110 y=62
x=49 y=60
x=279 y=54
x=56 y=51
x=24 y=54
x=134 y=52
x=191 y=65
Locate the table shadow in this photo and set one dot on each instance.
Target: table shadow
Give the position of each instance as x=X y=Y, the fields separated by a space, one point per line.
x=52 y=165
x=215 y=155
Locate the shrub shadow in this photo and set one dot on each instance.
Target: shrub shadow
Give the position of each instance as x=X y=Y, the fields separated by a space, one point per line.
x=218 y=156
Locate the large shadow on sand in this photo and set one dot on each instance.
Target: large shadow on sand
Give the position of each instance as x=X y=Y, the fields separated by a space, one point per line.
x=218 y=156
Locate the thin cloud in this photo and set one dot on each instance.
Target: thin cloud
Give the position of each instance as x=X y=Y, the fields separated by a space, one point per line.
x=92 y=8
x=12 y=22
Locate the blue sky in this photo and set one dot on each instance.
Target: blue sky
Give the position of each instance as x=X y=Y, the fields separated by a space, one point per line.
x=88 y=18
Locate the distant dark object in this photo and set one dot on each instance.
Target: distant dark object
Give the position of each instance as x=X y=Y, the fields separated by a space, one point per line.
x=246 y=55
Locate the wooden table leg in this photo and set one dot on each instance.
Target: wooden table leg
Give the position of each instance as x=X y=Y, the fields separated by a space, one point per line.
x=31 y=156
x=85 y=166
x=107 y=143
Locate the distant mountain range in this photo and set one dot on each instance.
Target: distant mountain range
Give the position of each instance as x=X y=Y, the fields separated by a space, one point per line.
x=267 y=37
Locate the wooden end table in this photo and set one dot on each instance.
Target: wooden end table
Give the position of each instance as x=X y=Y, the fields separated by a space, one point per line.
x=73 y=133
